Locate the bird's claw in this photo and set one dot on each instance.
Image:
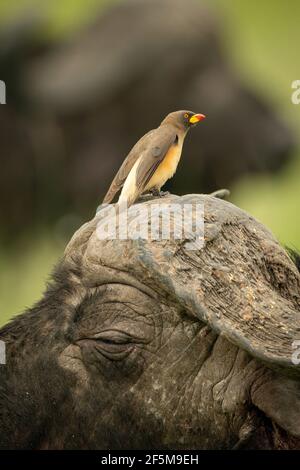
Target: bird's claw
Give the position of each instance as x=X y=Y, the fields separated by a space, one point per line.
x=158 y=193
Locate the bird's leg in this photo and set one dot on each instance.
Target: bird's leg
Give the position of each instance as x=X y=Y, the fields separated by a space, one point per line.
x=154 y=192
x=145 y=197
x=158 y=193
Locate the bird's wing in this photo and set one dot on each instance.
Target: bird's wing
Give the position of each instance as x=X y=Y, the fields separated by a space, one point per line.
x=154 y=155
x=126 y=166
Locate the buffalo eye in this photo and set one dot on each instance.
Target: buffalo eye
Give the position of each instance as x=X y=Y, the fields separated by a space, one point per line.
x=112 y=344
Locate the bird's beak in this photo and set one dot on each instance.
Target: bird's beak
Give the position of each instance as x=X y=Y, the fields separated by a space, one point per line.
x=197 y=118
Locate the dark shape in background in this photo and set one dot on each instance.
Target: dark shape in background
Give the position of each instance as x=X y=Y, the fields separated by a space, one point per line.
x=76 y=109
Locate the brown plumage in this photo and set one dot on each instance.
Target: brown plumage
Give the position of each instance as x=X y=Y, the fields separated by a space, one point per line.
x=153 y=159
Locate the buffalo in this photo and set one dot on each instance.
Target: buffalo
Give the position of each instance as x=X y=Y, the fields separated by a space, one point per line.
x=141 y=343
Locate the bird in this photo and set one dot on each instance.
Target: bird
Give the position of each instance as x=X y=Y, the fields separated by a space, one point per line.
x=153 y=159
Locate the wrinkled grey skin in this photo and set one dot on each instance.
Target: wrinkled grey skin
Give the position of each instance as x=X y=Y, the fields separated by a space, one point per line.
x=141 y=344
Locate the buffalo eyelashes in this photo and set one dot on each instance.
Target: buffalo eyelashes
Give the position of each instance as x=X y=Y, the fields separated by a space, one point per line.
x=113 y=338
x=111 y=344
x=109 y=341
x=115 y=349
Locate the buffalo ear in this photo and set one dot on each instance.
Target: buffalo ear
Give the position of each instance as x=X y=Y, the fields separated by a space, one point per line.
x=279 y=399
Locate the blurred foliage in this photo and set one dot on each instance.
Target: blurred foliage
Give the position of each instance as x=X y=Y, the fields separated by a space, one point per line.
x=24 y=272
x=61 y=16
x=262 y=39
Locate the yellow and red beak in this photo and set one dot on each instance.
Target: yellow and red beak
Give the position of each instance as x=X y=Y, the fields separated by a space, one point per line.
x=197 y=118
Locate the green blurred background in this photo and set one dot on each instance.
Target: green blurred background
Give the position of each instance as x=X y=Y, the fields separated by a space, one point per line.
x=262 y=39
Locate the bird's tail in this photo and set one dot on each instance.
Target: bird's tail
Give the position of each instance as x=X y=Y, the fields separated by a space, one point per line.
x=126 y=200
x=129 y=193
x=110 y=194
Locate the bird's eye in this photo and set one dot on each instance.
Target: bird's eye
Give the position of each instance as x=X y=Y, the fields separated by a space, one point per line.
x=186 y=115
